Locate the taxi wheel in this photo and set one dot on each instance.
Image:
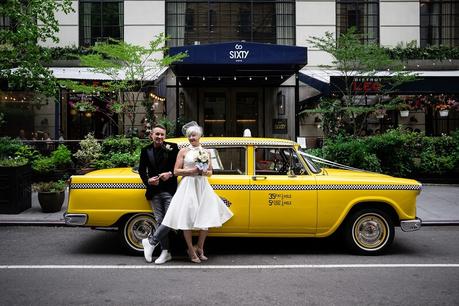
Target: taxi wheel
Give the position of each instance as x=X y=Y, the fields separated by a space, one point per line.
x=134 y=229
x=369 y=231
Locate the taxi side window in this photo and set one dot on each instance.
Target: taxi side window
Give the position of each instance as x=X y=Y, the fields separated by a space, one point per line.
x=278 y=161
x=228 y=160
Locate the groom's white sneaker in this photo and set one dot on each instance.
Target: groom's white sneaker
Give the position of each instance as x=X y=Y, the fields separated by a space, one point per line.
x=163 y=258
x=147 y=250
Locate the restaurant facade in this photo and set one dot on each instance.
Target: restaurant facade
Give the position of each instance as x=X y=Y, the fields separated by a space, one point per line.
x=249 y=64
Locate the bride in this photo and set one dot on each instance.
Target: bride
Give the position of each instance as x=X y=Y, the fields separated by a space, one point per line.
x=195 y=205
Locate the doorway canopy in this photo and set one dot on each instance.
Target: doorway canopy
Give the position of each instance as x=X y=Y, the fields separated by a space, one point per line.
x=238 y=63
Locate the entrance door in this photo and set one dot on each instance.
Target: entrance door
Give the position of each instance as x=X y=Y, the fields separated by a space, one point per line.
x=228 y=112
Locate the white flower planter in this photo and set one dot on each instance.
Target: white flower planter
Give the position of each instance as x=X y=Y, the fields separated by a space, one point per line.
x=404 y=113
x=443 y=113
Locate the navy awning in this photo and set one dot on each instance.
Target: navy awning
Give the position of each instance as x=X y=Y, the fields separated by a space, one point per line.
x=238 y=61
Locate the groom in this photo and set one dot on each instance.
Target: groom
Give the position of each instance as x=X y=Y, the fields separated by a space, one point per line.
x=156 y=168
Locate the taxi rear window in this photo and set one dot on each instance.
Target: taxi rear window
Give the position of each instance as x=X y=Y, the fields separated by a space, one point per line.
x=228 y=160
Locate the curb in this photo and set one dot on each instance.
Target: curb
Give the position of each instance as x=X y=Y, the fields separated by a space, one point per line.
x=31 y=223
x=440 y=223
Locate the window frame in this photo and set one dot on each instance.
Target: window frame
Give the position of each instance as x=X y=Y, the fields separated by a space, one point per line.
x=427 y=31
x=365 y=28
x=100 y=14
x=244 y=149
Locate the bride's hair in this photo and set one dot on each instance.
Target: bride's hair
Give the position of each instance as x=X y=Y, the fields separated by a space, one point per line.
x=194 y=129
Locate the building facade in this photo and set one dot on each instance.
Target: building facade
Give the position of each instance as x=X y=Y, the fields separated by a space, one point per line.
x=258 y=54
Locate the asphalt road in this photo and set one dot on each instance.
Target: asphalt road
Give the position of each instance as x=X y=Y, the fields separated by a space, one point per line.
x=75 y=266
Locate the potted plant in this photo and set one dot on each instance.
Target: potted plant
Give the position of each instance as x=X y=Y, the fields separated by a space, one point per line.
x=55 y=166
x=51 y=195
x=380 y=113
x=443 y=108
x=15 y=178
x=89 y=152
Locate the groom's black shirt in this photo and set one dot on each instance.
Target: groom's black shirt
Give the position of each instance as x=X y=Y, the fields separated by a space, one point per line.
x=154 y=161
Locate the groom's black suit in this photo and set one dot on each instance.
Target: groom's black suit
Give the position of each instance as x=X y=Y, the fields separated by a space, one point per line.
x=155 y=161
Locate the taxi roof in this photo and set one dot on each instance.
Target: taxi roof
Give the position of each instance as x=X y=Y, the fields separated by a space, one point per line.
x=234 y=141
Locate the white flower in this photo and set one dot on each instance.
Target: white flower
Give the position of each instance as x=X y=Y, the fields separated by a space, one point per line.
x=168 y=147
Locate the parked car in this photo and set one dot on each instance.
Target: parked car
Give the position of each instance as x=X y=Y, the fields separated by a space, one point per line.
x=273 y=189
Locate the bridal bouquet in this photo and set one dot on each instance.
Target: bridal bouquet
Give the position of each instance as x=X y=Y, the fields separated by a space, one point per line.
x=202 y=160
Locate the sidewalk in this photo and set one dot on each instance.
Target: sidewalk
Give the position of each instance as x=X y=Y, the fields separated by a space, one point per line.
x=437 y=205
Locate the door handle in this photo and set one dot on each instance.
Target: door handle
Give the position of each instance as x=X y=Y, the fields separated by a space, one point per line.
x=259 y=178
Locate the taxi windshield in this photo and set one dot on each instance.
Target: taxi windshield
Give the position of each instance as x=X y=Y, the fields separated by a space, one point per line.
x=315 y=168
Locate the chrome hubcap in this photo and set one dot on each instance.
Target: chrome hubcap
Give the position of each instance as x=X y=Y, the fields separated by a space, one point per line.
x=138 y=229
x=370 y=231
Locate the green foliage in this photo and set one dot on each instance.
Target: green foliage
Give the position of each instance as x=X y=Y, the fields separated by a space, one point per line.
x=53 y=186
x=411 y=51
x=398 y=153
x=89 y=152
x=21 y=58
x=169 y=125
x=44 y=165
x=120 y=151
x=121 y=144
x=351 y=57
x=114 y=160
x=62 y=157
x=28 y=152
x=138 y=65
x=352 y=152
x=439 y=154
x=9 y=146
x=13 y=162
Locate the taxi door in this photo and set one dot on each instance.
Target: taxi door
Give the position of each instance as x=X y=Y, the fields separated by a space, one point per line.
x=230 y=181
x=283 y=196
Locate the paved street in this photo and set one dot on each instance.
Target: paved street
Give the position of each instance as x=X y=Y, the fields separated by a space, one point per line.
x=421 y=267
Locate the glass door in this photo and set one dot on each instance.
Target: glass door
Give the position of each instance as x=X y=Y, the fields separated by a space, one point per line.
x=246 y=113
x=215 y=114
x=228 y=112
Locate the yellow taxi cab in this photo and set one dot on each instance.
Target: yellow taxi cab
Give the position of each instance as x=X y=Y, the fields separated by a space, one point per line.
x=273 y=189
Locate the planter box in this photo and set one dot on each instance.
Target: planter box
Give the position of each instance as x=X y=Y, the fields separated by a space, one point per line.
x=15 y=189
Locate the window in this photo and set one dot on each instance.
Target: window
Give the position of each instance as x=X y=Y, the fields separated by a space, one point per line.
x=363 y=15
x=439 y=23
x=269 y=21
x=228 y=160
x=278 y=161
x=100 y=20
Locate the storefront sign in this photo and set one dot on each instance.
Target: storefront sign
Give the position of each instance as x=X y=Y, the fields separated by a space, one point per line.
x=358 y=85
x=280 y=126
x=366 y=85
x=238 y=54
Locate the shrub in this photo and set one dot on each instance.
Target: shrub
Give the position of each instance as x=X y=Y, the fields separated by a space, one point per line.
x=61 y=157
x=396 y=152
x=13 y=162
x=121 y=144
x=352 y=152
x=89 y=152
x=9 y=146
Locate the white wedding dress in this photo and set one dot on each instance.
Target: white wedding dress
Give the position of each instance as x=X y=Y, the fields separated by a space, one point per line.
x=195 y=205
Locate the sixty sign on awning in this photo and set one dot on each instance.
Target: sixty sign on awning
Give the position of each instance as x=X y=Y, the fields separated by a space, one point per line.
x=238 y=62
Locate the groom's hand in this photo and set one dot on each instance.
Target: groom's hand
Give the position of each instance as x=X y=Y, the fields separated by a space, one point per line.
x=154 y=181
x=165 y=175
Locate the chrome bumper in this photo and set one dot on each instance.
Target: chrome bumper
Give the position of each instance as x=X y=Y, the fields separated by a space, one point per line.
x=411 y=225
x=75 y=219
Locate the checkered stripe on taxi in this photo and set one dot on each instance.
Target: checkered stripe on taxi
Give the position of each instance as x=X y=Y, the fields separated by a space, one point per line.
x=107 y=186
x=239 y=143
x=256 y=187
x=316 y=187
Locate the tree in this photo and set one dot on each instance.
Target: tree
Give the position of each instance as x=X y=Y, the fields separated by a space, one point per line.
x=130 y=68
x=348 y=110
x=21 y=58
